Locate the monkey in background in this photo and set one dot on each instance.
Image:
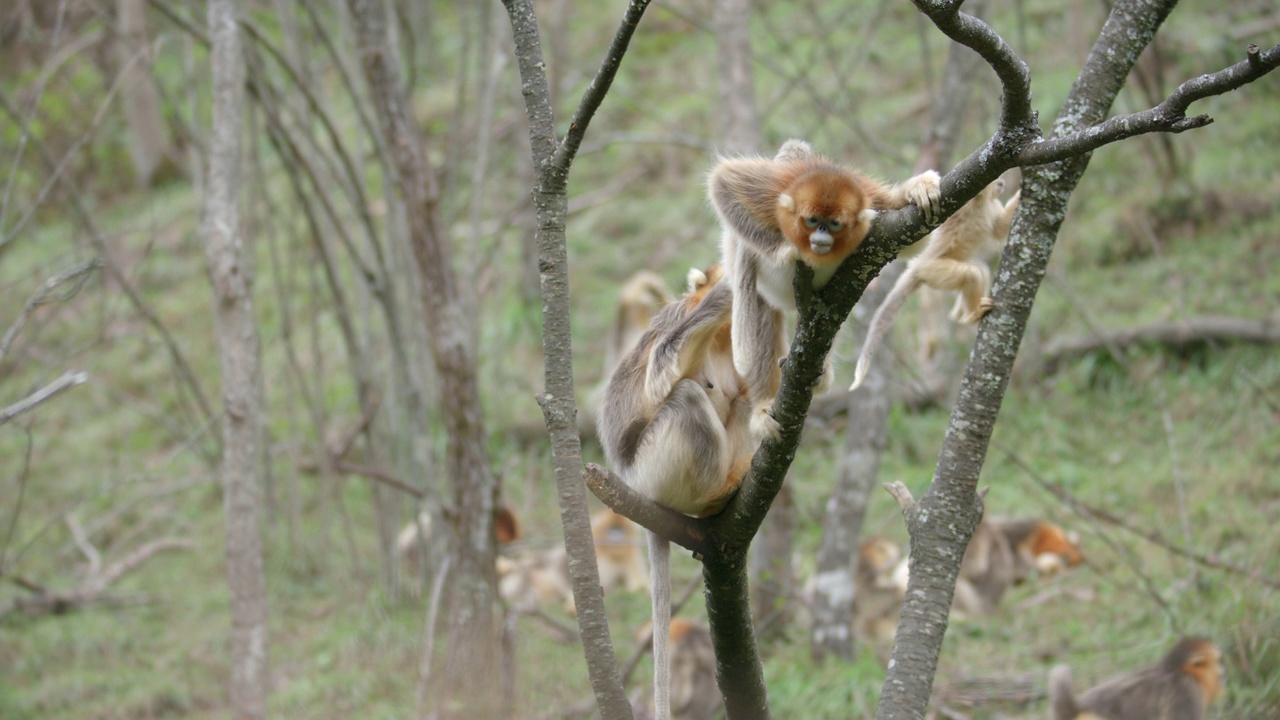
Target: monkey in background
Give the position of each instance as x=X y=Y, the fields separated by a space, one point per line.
x=618 y=555
x=639 y=300
x=949 y=261
x=796 y=206
x=643 y=296
x=535 y=577
x=1003 y=553
x=1038 y=546
x=878 y=593
x=694 y=692
x=1180 y=687
x=986 y=572
x=412 y=539
x=675 y=425
x=695 y=695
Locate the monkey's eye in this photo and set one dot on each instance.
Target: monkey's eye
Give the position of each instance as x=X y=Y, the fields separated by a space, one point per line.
x=811 y=222
x=835 y=225
x=711 y=385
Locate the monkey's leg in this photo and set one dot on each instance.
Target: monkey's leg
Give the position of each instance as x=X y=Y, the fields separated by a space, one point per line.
x=971 y=280
x=758 y=344
x=684 y=458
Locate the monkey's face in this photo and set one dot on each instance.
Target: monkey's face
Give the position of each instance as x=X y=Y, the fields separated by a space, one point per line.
x=1206 y=666
x=825 y=215
x=1052 y=540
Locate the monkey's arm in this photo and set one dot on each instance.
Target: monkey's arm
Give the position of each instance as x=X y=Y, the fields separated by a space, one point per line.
x=924 y=191
x=744 y=192
x=1005 y=220
x=677 y=354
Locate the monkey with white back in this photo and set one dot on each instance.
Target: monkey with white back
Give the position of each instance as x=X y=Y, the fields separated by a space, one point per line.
x=675 y=425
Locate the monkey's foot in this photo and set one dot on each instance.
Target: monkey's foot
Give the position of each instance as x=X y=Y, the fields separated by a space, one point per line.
x=764 y=425
x=925 y=191
x=969 y=318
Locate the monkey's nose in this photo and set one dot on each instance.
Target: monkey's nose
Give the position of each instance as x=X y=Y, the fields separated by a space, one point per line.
x=820 y=241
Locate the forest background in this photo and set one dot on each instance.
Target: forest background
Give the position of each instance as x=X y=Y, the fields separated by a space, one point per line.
x=113 y=585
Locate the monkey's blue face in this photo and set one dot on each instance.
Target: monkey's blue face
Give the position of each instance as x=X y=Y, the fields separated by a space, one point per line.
x=820 y=230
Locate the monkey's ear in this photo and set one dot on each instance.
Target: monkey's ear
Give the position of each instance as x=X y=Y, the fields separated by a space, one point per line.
x=787 y=202
x=867 y=215
x=695 y=279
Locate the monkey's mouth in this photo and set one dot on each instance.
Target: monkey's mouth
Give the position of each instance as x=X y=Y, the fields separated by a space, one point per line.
x=820 y=241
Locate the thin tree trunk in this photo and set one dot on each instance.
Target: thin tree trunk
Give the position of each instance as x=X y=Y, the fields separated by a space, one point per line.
x=150 y=145
x=471 y=676
x=944 y=518
x=231 y=273
x=769 y=563
x=835 y=586
x=552 y=159
x=835 y=592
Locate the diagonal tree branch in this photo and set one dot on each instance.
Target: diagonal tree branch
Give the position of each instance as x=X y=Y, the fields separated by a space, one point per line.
x=1169 y=116
x=553 y=161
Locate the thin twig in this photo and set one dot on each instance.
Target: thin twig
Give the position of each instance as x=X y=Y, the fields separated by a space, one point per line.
x=68 y=380
x=78 y=273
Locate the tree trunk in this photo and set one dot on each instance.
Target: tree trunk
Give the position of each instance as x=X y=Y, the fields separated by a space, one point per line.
x=471 y=675
x=150 y=145
x=943 y=521
x=836 y=589
x=769 y=563
x=231 y=273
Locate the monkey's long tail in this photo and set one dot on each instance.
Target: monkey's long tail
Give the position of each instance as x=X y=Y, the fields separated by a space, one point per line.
x=882 y=321
x=660 y=579
x=1062 y=703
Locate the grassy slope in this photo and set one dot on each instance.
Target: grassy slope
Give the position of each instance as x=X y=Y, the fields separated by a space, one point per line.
x=340 y=648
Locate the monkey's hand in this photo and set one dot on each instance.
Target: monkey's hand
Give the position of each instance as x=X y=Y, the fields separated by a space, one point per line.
x=925 y=191
x=826 y=379
x=763 y=424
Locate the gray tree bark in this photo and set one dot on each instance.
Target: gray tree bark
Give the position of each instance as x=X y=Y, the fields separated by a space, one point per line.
x=835 y=589
x=231 y=273
x=769 y=563
x=552 y=159
x=150 y=144
x=467 y=687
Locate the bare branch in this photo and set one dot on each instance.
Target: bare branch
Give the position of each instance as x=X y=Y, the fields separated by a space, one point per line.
x=685 y=531
x=78 y=273
x=599 y=85
x=1169 y=116
x=67 y=380
x=1015 y=77
x=1176 y=335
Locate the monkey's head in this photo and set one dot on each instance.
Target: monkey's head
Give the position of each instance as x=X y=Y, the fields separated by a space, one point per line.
x=825 y=214
x=877 y=554
x=506 y=529
x=1049 y=539
x=1199 y=658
